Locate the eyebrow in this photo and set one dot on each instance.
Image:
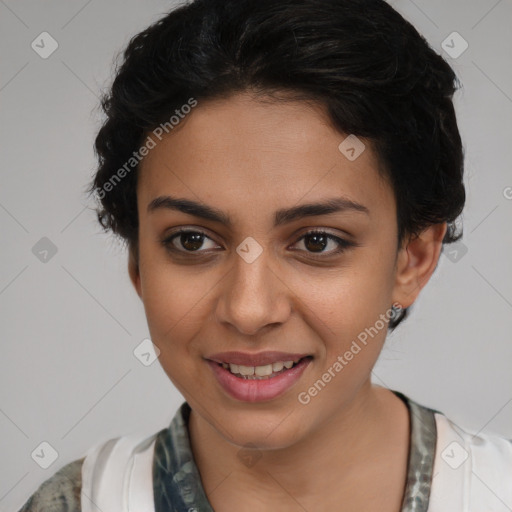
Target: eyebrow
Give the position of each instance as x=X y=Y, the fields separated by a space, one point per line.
x=283 y=216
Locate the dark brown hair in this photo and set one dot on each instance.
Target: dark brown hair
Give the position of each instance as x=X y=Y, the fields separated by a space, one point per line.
x=376 y=76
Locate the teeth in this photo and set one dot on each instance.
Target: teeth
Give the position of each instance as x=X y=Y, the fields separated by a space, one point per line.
x=245 y=370
x=258 y=371
x=277 y=367
x=262 y=371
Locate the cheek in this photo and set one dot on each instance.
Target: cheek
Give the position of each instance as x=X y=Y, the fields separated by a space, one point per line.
x=347 y=309
x=170 y=292
x=350 y=318
x=347 y=298
x=175 y=300
x=175 y=304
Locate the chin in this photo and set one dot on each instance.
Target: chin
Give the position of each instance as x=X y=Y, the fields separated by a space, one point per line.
x=262 y=430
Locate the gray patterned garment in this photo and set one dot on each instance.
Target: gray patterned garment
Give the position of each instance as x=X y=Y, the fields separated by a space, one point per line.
x=177 y=484
x=60 y=493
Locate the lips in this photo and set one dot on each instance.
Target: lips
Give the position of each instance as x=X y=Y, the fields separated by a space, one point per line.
x=250 y=389
x=255 y=359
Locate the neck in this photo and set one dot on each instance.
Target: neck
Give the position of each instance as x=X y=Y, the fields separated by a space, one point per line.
x=342 y=450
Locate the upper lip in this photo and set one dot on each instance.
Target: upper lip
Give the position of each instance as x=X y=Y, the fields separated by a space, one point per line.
x=258 y=359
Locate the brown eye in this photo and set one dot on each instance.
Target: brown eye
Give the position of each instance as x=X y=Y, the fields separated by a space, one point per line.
x=318 y=241
x=187 y=241
x=191 y=241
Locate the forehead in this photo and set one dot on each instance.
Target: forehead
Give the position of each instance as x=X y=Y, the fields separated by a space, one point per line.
x=241 y=151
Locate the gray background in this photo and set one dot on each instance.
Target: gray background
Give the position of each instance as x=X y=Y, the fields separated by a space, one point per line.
x=68 y=374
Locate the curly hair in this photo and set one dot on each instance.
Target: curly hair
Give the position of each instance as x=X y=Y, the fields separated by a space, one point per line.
x=374 y=74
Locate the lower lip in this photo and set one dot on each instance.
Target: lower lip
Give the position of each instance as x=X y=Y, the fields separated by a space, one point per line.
x=254 y=390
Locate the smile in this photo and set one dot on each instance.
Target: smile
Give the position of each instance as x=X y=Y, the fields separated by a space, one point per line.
x=267 y=371
x=258 y=383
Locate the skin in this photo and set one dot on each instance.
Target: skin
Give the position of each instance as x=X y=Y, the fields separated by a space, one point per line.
x=250 y=158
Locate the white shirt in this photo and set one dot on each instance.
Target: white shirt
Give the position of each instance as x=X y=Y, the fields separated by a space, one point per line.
x=449 y=470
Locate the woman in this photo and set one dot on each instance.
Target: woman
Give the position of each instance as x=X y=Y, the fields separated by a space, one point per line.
x=285 y=175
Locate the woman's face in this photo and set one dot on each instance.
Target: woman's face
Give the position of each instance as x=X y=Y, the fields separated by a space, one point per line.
x=259 y=284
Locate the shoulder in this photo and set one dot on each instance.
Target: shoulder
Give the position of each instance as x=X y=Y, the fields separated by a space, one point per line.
x=478 y=465
x=59 y=493
x=458 y=443
x=121 y=463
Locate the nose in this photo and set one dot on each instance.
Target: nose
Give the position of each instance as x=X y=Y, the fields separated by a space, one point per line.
x=253 y=296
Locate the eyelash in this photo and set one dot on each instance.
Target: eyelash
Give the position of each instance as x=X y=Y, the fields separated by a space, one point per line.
x=343 y=244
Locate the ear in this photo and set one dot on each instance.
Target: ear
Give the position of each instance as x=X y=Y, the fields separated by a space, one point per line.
x=416 y=261
x=133 y=271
